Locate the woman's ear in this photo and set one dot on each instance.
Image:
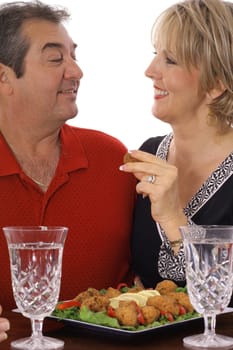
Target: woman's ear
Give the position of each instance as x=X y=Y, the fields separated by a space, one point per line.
x=217 y=91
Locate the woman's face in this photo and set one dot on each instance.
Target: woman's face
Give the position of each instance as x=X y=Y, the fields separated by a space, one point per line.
x=176 y=89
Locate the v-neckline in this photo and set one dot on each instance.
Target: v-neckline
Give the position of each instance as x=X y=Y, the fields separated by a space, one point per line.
x=210 y=186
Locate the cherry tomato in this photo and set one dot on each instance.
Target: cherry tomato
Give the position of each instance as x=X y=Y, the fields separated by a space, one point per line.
x=111 y=312
x=182 y=310
x=121 y=285
x=169 y=316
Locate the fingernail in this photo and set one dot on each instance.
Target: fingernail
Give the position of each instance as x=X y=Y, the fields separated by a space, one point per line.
x=121 y=167
x=5 y=324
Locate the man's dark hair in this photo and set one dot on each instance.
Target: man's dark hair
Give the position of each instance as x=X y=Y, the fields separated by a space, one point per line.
x=13 y=44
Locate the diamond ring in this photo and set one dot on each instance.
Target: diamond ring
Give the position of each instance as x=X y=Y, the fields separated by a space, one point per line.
x=151 y=179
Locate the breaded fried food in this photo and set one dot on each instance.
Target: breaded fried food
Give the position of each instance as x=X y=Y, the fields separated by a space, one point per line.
x=126 y=314
x=164 y=303
x=90 y=292
x=166 y=287
x=128 y=158
x=96 y=303
x=150 y=314
x=135 y=289
x=183 y=299
x=112 y=292
x=126 y=303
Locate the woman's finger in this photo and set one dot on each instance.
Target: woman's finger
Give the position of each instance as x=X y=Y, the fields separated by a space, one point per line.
x=4 y=327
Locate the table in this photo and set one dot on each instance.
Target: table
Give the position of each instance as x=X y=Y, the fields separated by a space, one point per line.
x=76 y=339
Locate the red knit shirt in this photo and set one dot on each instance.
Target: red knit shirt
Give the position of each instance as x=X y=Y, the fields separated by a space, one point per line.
x=89 y=195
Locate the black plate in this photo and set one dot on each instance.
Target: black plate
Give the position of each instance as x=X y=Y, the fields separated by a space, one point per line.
x=105 y=330
x=118 y=331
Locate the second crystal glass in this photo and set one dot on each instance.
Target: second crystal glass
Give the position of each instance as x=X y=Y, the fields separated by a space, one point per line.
x=209 y=275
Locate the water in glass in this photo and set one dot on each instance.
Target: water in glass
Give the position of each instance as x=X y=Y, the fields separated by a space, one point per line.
x=36 y=272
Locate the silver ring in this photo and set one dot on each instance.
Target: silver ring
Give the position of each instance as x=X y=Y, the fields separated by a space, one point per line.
x=151 y=179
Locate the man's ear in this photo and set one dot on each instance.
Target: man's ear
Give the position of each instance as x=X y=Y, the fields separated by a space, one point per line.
x=5 y=79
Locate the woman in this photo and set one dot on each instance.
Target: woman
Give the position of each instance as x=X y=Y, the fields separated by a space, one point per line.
x=4 y=326
x=185 y=177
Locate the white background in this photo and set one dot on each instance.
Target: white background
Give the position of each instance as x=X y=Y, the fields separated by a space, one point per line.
x=114 y=49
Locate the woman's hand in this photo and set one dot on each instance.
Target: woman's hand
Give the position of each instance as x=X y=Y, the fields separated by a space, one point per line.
x=163 y=192
x=138 y=282
x=4 y=327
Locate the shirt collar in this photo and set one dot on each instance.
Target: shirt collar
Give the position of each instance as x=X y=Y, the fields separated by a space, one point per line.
x=73 y=154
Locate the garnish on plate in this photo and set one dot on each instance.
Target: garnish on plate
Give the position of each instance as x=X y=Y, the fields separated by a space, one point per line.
x=130 y=308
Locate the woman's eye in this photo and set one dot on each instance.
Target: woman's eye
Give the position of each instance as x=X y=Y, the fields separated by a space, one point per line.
x=170 y=60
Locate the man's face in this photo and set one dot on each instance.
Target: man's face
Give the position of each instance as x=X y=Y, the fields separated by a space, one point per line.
x=47 y=90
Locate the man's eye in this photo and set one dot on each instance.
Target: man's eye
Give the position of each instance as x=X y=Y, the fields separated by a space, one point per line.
x=56 y=59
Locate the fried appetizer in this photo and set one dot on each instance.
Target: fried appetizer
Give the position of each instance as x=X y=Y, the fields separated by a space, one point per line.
x=112 y=292
x=150 y=314
x=166 y=287
x=90 y=292
x=164 y=303
x=183 y=299
x=130 y=314
x=135 y=289
x=96 y=303
x=127 y=314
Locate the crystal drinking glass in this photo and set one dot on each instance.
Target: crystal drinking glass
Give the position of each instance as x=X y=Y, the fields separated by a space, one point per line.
x=209 y=275
x=35 y=262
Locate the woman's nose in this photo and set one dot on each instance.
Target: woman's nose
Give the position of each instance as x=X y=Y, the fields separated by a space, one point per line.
x=153 y=70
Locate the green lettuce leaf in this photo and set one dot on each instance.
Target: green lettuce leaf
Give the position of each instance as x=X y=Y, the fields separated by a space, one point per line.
x=100 y=318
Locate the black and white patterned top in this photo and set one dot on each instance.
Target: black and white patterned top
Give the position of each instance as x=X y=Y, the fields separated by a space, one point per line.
x=152 y=256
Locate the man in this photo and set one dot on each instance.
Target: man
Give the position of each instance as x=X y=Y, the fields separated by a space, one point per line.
x=52 y=173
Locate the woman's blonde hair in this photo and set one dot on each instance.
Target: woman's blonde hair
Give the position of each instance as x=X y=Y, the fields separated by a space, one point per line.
x=201 y=34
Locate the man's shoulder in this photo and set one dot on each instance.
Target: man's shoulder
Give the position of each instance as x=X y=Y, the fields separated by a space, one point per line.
x=95 y=138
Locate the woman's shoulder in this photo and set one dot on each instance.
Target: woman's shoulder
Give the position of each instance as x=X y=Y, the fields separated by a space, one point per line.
x=151 y=145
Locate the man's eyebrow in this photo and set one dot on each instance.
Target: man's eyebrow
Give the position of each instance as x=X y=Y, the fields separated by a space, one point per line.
x=56 y=45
